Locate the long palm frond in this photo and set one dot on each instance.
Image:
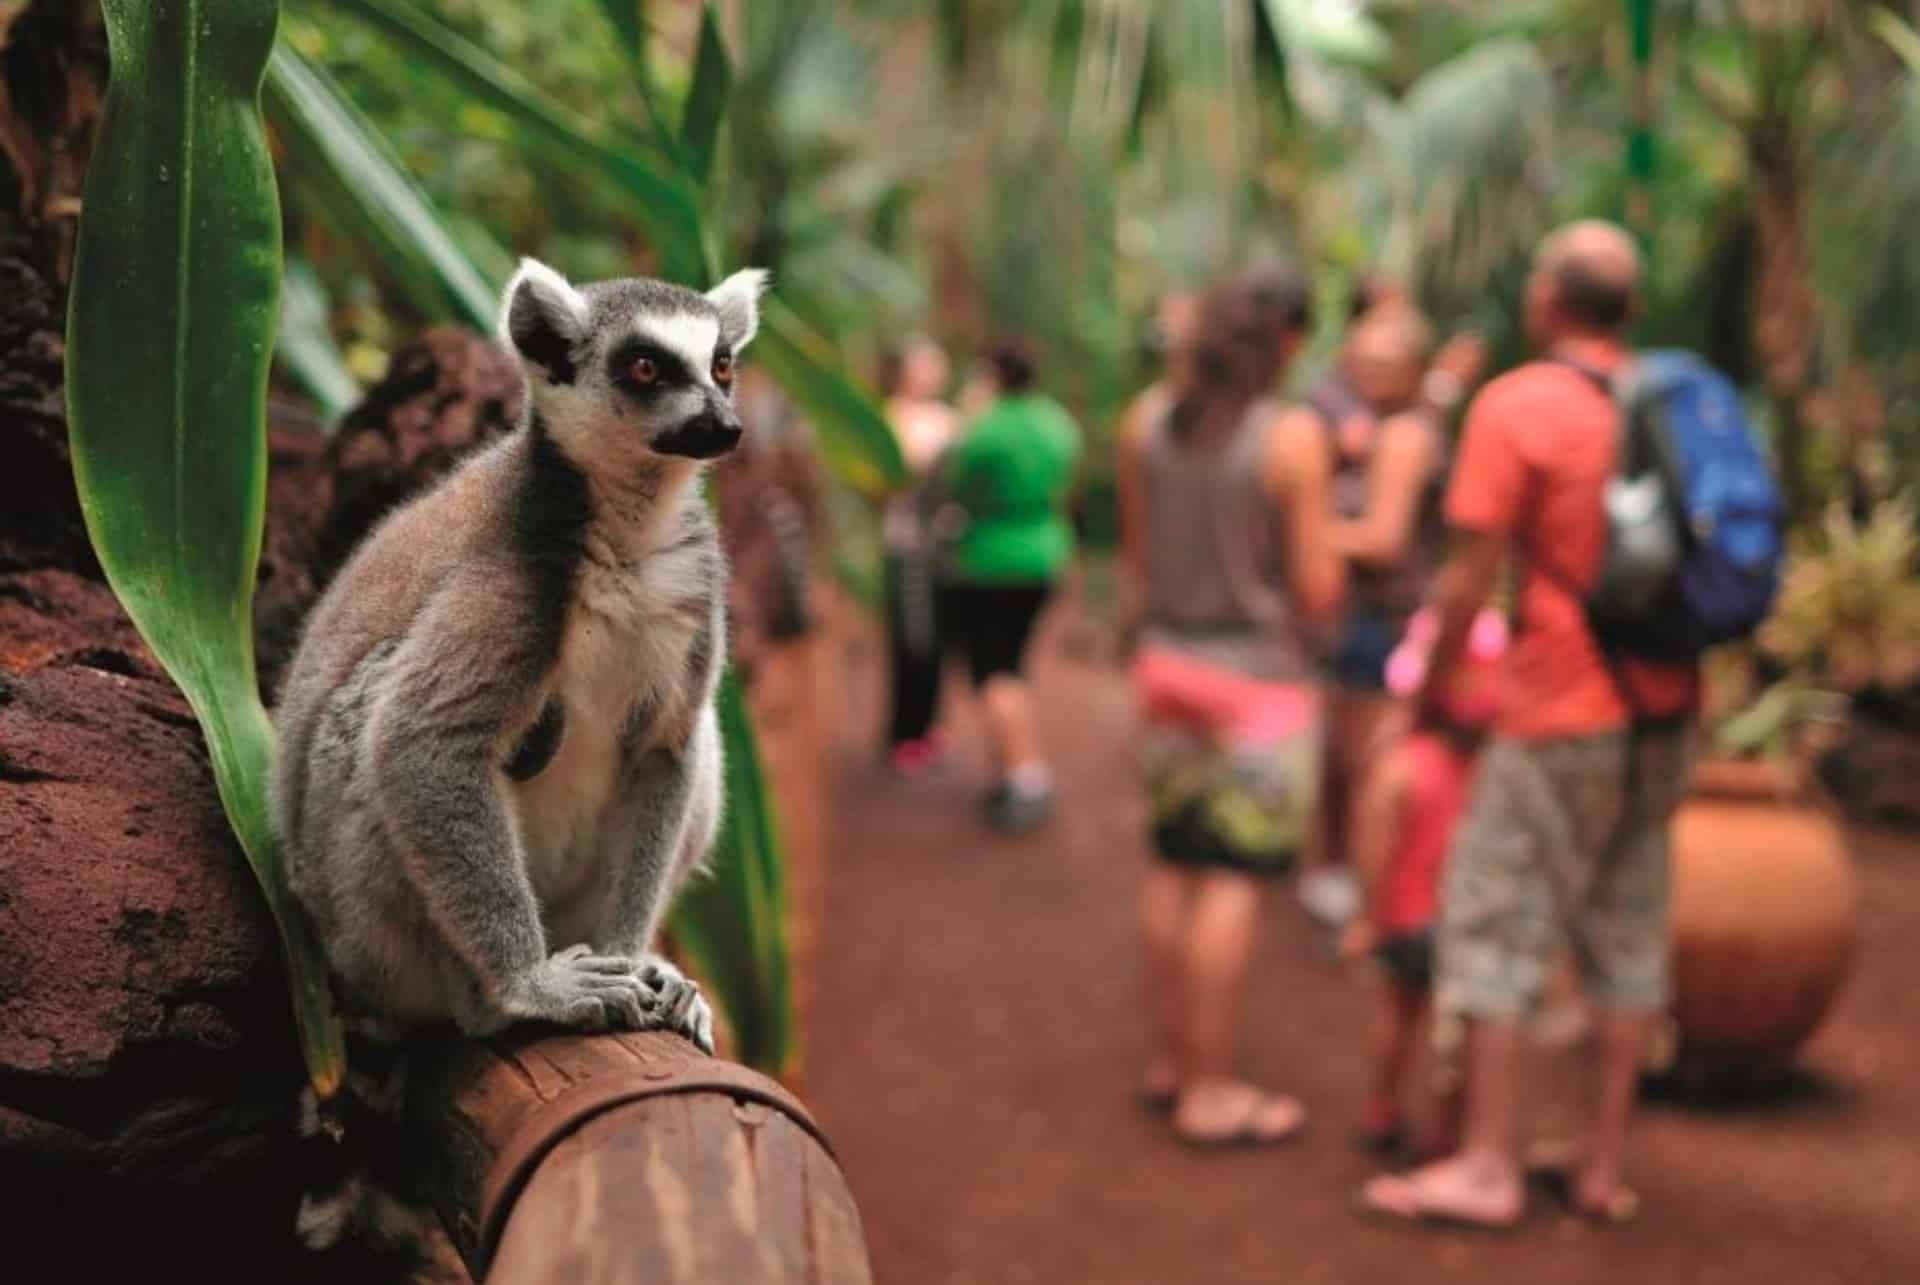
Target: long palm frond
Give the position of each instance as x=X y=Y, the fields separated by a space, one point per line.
x=1465 y=178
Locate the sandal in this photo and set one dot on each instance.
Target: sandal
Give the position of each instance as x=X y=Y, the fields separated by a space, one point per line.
x=1385 y=1140
x=1158 y=1095
x=1248 y=1133
x=1415 y=1210
x=1158 y=1101
x=1560 y=1182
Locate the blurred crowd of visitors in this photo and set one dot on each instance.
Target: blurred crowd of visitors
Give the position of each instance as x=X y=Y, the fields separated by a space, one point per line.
x=1341 y=677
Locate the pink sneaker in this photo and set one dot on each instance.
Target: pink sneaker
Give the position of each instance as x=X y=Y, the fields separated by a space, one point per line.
x=911 y=758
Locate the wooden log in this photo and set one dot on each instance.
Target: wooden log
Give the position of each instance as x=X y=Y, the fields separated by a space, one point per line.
x=629 y=1158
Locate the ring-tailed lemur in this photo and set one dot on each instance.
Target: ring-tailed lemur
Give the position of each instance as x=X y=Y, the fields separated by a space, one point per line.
x=498 y=752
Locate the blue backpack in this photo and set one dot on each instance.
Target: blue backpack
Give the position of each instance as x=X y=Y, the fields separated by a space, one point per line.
x=1696 y=526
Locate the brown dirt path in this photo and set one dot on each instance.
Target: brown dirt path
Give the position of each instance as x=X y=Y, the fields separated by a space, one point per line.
x=972 y=1043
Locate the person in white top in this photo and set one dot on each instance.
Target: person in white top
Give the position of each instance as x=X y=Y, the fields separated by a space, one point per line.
x=914 y=380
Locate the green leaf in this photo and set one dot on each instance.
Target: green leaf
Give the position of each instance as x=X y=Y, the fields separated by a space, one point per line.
x=629 y=20
x=854 y=438
x=170 y=333
x=856 y=441
x=306 y=351
x=663 y=194
x=706 y=98
x=1900 y=37
x=631 y=24
x=732 y=924
x=342 y=164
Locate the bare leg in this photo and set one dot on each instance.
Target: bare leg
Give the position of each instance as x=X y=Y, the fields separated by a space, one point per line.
x=1440 y=1135
x=1400 y=1012
x=1221 y=926
x=1360 y=726
x=1482 y=1182
x=1329 y=835
x=1601 y=1188
x=1009 y=710
x=1163 y=918
x=1218 y=950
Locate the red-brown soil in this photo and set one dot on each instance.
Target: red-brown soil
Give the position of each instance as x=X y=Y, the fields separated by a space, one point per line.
x=973 y=1038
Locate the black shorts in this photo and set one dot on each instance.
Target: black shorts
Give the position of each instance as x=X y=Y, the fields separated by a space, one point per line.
x=990 y=623
x=1408 y=959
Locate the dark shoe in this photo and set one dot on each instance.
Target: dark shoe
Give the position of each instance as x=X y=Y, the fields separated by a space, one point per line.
x=1389 y=1141
x=1013 y=811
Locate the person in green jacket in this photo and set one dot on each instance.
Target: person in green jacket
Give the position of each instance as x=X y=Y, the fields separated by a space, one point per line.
x=1010 y=474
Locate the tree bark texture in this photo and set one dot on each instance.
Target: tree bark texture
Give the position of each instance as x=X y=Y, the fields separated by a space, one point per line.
x=623 y=1159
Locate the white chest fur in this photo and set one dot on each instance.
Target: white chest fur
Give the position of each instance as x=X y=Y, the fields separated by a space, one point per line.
x=624 y=650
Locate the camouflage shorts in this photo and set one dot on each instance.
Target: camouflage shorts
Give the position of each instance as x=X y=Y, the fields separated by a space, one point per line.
x=1247 y=806
x=1557 y=851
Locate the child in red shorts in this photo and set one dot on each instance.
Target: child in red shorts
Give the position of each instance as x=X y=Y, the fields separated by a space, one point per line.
x=1403 y=827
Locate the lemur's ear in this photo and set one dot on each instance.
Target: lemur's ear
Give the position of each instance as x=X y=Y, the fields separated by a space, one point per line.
x=738 y=299
x=543 y=319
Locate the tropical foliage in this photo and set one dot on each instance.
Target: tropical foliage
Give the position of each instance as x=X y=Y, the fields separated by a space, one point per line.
x=1849 y=611
x=1053 y=166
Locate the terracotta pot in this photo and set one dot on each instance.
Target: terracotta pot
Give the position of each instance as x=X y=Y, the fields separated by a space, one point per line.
x=1764 y=912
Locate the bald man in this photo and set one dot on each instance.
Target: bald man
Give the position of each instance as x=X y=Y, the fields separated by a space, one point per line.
x=1564 y=842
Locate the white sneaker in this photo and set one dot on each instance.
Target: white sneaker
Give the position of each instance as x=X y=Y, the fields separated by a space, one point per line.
x=1330 y=894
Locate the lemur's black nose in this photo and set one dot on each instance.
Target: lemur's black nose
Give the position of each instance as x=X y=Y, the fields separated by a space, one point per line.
x=706 y=435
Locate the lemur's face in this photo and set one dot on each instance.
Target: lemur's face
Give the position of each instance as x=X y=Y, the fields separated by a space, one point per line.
x=624 y=369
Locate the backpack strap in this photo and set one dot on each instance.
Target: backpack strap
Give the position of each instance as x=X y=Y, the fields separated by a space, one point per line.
x=1615 y=667
x=1593 y=374
x=1638 y=723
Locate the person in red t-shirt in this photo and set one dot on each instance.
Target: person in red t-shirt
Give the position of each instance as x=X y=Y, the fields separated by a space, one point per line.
x=1564 y=842
x=1404 y=824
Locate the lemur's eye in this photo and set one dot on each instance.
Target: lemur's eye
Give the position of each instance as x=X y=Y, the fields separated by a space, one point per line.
x=723 y=370
x=644 y=370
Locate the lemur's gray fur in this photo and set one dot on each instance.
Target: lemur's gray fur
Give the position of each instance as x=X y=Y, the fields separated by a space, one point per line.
x=498 y=753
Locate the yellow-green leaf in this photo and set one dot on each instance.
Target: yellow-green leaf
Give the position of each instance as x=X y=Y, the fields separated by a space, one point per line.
x=732 y=923
x=662 y=193
x=340 y=161
x=853 y=435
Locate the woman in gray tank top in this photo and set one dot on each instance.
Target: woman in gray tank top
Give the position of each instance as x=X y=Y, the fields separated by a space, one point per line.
x=1226 y=520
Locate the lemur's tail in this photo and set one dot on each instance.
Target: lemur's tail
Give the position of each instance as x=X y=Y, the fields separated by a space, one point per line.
x=351 y=1147
x=334 y=1201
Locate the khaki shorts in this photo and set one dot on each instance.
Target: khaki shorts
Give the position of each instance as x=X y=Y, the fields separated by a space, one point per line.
x=1557 y=851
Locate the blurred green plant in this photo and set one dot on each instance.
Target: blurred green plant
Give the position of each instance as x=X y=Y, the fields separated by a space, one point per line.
x=1846 y=626
x=307 y=350
x=1460 y=180
x=339 y=166
x=971 y=166
x=170 y=335
x=1848 y=615
x=1783 y=721
x=649 y=175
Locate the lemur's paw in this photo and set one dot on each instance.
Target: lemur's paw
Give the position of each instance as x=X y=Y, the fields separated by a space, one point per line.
x=675 y=1003
x=591 y=992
